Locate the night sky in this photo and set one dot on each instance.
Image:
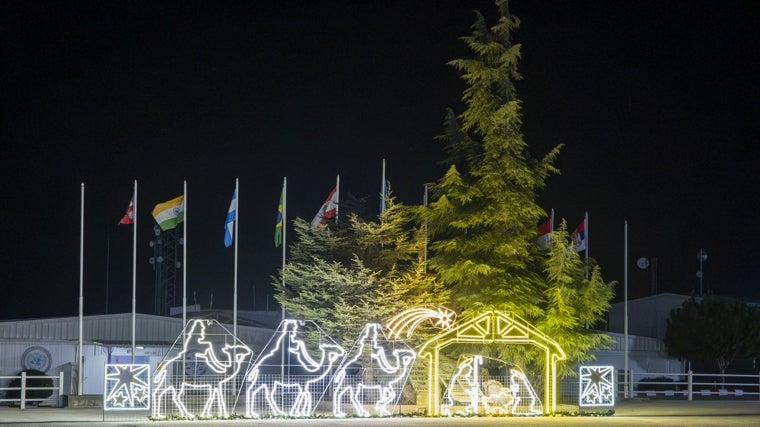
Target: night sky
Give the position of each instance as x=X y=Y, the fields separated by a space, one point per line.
x=657 y=104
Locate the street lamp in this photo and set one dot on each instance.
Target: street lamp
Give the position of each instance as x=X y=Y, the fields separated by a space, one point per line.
x=701 y=257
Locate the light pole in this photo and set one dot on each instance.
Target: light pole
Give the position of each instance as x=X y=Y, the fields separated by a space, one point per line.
x=701 y=257
x=625 y=309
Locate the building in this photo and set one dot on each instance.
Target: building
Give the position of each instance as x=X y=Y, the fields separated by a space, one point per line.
x=52 y=345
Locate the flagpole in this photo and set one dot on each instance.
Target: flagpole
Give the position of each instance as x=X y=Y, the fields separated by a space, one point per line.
x=337 y=197
x=625 y=309
x=284 y=197
x=425 y=203
x=80 y=373
x=235 y=281
x=552 y=220
x=585 y=226
x=108 y=263
x=134 y=270
x=184 y=256
x=382 y=193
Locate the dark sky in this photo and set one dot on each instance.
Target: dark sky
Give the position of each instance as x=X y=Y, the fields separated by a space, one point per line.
x=657 y=104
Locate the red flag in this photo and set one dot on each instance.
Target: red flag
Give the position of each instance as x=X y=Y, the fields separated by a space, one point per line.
x=544 y=233
x=129 y=214
x=545 y=227
x=328 y=209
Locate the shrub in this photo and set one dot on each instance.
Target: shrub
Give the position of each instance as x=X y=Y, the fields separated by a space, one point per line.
x=31 y=382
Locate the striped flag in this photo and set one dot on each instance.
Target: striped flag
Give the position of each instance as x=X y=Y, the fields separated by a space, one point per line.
x=170 y=213
x=229 y=223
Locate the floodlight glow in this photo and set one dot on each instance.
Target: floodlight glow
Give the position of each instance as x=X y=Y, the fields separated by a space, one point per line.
x=408 y=320
x=287 y=341
x=385 y=390
x=597 y=386
x=196 y=348
x=127 y=387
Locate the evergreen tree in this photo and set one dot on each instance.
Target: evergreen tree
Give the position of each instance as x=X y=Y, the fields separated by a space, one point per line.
x=576 y=298
x=364 y=271
x=335 y=293
x=484 y=214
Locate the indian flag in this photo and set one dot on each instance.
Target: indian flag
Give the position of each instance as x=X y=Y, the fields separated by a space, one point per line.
x=169 y=214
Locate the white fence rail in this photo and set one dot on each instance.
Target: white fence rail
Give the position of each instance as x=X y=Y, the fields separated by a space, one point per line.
x=28 y=385
x=689 y=385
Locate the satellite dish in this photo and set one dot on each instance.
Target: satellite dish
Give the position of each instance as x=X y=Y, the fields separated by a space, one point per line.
x=642 y=263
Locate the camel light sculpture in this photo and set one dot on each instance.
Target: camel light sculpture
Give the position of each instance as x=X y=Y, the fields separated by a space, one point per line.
x=386 y=375
x=221 y=355
x=286 y=380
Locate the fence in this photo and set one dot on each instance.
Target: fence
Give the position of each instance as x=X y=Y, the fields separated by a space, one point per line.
x=32 y=385
x=689 y=385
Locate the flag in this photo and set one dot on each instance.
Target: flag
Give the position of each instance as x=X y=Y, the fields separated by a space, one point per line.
x=579 y=236
x=229 y=223
x=278 y=224
x=544 y=233
x=169 y=214
x=128 y=217
x=328 y=209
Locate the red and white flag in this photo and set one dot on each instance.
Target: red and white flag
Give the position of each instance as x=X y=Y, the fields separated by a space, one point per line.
x=129 y=214
x=544 y=232
x=328 y=209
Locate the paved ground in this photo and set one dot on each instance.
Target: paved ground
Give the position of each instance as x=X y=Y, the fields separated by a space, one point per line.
x=634 y=412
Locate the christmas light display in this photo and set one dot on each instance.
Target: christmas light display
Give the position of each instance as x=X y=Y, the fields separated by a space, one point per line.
x=127 y=387
x=597 y=386
x=218 y=358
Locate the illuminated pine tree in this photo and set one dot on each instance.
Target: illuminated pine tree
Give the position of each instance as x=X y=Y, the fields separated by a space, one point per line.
x=484 y=214
x=576 y=300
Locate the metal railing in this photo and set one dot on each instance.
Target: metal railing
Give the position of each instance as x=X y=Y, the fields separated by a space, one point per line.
x=689 y=385
x=25 y=388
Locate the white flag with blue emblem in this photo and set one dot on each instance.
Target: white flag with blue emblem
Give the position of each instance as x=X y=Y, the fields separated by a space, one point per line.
x=229 y=223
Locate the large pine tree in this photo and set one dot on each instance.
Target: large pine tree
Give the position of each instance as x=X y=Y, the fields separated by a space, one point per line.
x=484 y=214
x=483 y=218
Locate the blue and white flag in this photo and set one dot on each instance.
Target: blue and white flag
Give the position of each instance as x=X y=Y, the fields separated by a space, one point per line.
x=229 y=223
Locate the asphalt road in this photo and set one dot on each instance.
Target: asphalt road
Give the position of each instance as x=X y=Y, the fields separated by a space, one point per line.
x=635 y=412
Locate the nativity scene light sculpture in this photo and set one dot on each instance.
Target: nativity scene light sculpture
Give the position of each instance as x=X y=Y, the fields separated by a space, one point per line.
x=492 y=328
x=472 y=387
